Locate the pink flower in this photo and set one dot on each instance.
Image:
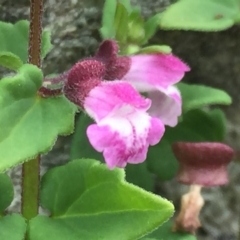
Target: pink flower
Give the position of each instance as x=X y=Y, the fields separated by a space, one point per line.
x=126 y=123
x=153 y=74
x=123 y=129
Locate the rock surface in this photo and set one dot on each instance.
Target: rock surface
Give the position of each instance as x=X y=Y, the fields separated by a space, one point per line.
x=214 y=59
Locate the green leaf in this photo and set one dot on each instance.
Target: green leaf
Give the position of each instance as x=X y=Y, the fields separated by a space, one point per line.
x=89 y=201
x=12 y=227
x=46 y=43
x=155 y=49
x=147 y=238
x=196 y=126
x=8 y=43
x=81 y=147
x=165 y=233
x=6 y=192
x=197 y=96
x=107 y=30
x=10 y=60
x=135 y=27
x=121 y=23
x=237 y=18
x=130 y=49
x=30 y=124
x=138 y=174
x=220 y=123
x=126 y=4
x=202 y=15
x=151 y=26
x=13 y=34
x=161 y=160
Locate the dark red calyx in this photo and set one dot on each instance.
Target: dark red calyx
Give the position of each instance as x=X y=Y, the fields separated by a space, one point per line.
x=203 y=163
x=119 y=69
x=116 y=67
x=107 y=51
x=82 y=77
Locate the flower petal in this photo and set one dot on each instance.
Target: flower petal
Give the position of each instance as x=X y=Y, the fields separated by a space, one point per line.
x=123 y=129
x=107 y=96
x=156 y=131
x=124 y=137
x=157 y=70
x=166 y=105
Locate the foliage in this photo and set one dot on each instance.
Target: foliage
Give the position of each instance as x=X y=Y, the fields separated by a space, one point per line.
x=196 y=96
x=123 y=22
x=12 y=227
x=201 y=15
x=6 y=187
x=29 y=123
x=85 y=199
x=100 y=198
x=13 y=55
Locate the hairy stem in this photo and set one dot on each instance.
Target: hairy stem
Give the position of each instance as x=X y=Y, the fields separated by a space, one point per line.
x=30 y=170
x=35 y=34
x=30 y=188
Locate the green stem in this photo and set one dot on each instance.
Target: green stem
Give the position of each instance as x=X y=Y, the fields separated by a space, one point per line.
x=30 y=188
x=31 y=169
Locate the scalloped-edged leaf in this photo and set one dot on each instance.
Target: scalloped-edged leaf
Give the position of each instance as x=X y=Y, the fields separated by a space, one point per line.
x=197 y=96
x=201 y=15
x=6 y=192
x=107 y=30
x=10 y=60
x=165 y=233
x=89 y=201
x=29 y=123
x=14 y=39
x=12 y=227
